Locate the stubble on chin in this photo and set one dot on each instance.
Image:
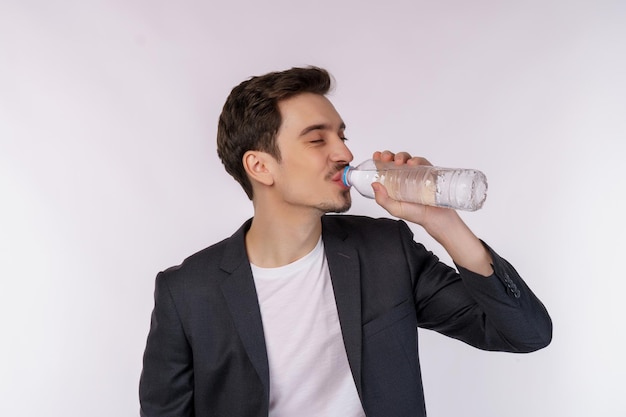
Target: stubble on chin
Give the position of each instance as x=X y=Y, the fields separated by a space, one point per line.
x=337 y=207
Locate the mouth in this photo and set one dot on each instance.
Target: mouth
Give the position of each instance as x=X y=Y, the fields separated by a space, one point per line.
x=337 y=177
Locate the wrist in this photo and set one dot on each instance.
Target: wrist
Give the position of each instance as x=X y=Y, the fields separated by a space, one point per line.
x=465 y=249
x=442 y=224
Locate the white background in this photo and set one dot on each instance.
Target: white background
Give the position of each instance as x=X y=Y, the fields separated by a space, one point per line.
x=109 y=174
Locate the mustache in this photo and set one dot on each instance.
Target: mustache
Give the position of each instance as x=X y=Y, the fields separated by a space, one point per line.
x=337 y=168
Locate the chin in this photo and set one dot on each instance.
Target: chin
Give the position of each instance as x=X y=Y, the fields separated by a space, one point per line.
x=338 y=206
x=343 y=209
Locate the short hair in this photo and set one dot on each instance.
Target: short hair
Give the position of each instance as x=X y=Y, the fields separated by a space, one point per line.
x=250 y=118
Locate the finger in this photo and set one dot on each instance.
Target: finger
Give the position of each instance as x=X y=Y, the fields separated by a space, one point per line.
x=418 y=160
x=380 y=194
x=394 y=207
x=383 y=199
x=402 y=157
x=384 y=156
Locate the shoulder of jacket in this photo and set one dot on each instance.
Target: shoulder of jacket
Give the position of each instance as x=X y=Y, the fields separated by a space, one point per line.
x=211 y=256
x=198 y=267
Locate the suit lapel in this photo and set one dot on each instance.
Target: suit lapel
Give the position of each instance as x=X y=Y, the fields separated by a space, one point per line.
x=241 y=298
x=343 y=262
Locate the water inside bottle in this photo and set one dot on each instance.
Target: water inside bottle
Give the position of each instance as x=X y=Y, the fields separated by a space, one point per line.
x=464 y=189
x=411 y=185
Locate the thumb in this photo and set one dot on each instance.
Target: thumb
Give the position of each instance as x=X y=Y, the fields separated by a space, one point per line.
x=380 y=194
x=394 y=207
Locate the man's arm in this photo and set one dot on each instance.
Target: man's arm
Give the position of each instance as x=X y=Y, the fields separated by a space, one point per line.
x=498 y=312
x=166 y=385
x=488 y=305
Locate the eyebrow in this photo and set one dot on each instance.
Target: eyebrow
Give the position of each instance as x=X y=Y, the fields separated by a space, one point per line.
x=321 y=126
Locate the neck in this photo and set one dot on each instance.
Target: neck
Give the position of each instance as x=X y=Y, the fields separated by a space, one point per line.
x=277 y=238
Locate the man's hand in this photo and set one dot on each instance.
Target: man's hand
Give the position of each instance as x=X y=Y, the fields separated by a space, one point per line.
x=443 y=224
x=426 y=216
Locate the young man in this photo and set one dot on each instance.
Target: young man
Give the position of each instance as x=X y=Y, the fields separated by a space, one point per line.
x=301 y=313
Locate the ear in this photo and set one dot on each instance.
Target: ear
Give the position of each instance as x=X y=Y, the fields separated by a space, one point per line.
x=258 y=167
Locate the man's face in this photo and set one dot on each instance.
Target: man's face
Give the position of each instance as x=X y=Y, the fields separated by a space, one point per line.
x=313 y=154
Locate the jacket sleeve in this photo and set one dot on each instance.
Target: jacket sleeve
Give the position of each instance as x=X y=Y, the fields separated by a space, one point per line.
x=166 y=384
x=498 y=312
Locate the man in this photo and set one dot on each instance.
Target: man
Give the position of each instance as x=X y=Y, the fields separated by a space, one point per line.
x=301 y=313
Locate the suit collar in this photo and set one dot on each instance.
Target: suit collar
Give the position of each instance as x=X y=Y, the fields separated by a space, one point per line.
x=343 y=262
x=235 y=252
x=241 y=297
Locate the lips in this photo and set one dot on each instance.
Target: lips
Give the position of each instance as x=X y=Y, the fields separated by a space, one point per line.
x=338 y=177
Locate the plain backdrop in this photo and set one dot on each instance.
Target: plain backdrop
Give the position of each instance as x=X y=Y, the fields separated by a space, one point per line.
x=109 y=174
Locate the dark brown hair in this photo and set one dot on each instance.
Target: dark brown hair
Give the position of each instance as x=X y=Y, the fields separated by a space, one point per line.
x=250 y=118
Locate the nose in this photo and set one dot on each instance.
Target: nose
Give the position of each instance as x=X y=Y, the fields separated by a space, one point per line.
x=341 y=152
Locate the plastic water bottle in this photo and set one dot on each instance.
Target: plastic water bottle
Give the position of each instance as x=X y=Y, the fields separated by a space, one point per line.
x=462 y=189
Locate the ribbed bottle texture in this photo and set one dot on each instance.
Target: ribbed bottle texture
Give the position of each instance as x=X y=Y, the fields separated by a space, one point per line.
x=462 y=189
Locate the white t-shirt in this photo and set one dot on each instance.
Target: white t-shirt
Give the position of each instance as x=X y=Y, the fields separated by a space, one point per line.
x=309 y=371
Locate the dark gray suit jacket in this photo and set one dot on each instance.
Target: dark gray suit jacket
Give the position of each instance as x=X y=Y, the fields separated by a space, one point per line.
x=206 y=355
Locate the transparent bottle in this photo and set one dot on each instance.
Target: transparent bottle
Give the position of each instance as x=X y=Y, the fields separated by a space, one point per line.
x=462 y=189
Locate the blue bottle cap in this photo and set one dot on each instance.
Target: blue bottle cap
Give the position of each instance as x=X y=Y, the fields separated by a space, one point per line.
x=344 y=177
